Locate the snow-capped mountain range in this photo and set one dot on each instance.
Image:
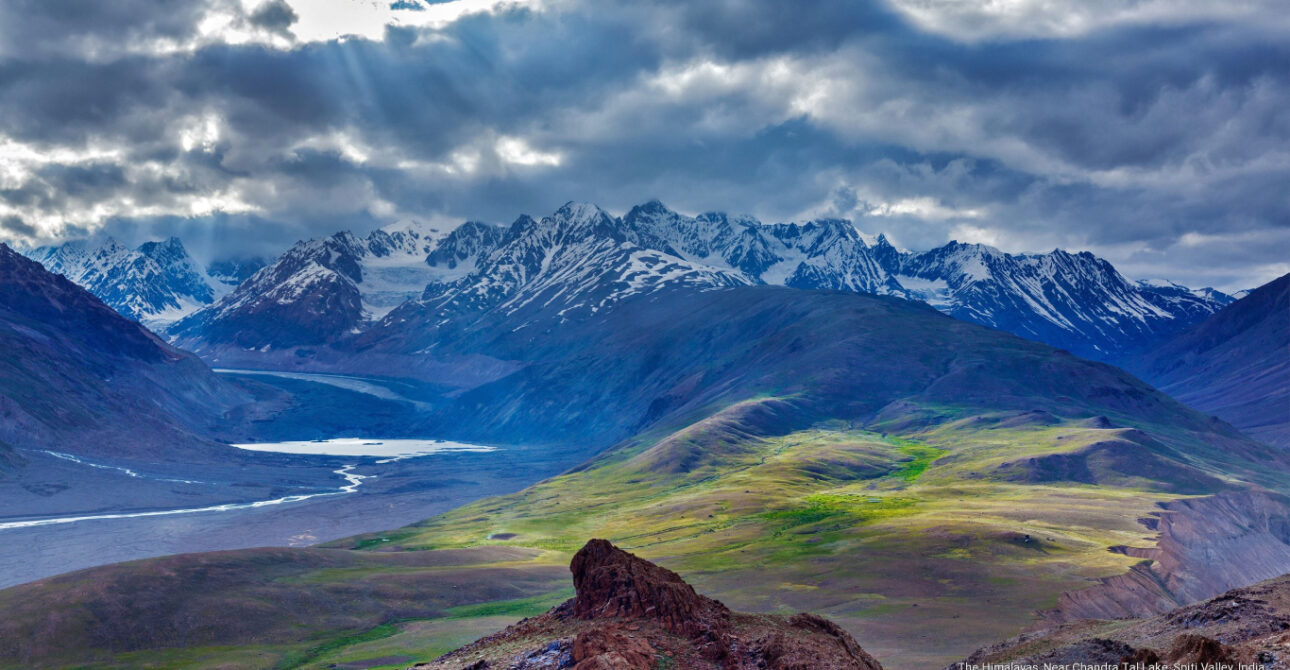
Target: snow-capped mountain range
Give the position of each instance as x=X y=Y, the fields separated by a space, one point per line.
x=580 y=257
x=324 y=289
x=581 y=260
x=156 y=283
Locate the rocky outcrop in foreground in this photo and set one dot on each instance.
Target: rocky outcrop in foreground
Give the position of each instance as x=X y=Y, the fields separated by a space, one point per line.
x=1247 y=627
x=629 y=614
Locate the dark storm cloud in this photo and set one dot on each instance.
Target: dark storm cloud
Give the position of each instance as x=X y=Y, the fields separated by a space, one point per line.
x=1144 y=141
x=17 y=227
x=50 y=28
x=276 y=16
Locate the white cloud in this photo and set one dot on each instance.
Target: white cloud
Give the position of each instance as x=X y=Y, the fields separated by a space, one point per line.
x=202 y=133
x=973 y=20
x=19 y=160
x=975 y=235
x=927 y=208
x=324 y=20
x=348 y=144
x=516 y=151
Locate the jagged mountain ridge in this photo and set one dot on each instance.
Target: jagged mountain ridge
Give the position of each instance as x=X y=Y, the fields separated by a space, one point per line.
x=581 y=257
x=1074 y=301
x=577 y=258
x=327 y=288
x=155 y=283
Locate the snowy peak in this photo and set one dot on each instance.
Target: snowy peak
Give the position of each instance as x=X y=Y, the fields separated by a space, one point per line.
x=665 y=230
x=308 y=296
x=406 y=238
x=1196 y=304
x=714 y=239
x=465 y=246
x=573 y=258
x=957 y=263
x=327 y=288
x=575 y=222
x=888 y=257
x=1074 y=301
x=578 y=260
x=1166 y=287
x=825 y=254
x=156 y=283
x=168 y=252
x=234 y=271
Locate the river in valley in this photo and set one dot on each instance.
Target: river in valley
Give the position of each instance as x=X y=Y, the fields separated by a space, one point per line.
x=295 y=493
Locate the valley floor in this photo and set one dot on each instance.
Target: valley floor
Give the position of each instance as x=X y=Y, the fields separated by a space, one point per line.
x=393 y=494
x=373 y=493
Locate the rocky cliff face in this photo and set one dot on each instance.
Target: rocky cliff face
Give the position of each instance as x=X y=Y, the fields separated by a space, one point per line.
x=1187 y=564
x=1249 y=627
x=630 y=614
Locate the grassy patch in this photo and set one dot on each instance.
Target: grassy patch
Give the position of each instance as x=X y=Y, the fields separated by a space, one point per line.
x=518 y=608
x=839 y=508
x=921 y=457
x=298 y=659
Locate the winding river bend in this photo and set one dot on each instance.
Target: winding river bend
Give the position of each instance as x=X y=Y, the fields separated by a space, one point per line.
x=387 y=451
x=325 y=491
x=353 y=481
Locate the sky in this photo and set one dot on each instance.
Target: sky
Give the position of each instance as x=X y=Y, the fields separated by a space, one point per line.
x=1154 y=133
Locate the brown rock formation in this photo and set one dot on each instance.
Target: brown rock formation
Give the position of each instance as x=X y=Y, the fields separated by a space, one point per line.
x=611 y=649
x=613 y=584
x=630 y=614
x=1198 y=650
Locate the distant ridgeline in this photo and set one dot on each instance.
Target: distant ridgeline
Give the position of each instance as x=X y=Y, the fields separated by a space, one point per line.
x=323 y=291
x=155 y=283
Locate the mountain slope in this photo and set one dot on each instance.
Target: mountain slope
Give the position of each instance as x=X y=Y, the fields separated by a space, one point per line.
x=157 y=283
x=681 y=352
x=1245 y=626
x=78 y=377
x=1235 y=364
